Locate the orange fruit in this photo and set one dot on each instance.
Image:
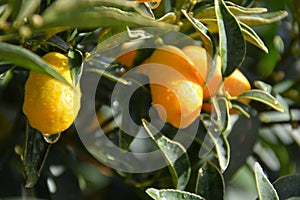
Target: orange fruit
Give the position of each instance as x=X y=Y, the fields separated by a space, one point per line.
x=127 y=58
x=235 y=84
x=50 y=105
x=176 y=86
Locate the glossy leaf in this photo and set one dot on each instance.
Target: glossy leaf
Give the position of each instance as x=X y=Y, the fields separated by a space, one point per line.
x=264 y=188
x=262 y=96
x=25 y=58
x=75 y=61
x=288 y=186
x=210 y=183
x=261 y=19
x=169 y=194
x=35 y=154
x=98 y=17
x=250 y=35
x=219 y=141
x=222 y=111
x=244 y=109
x=263 y=86
x=231 y=40
x=174 y=154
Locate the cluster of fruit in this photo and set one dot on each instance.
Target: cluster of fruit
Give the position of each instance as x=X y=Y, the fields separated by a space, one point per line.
x=179 y=89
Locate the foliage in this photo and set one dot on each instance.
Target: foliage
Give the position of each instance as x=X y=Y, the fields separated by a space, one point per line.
x=231 y=156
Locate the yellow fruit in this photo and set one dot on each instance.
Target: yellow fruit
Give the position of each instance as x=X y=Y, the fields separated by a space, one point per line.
x=176 y=86
x=50 y=105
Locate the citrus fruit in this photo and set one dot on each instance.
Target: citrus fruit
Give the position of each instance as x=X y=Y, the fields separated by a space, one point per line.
x=234 y=85
x=50 y=105
x=127 y=58
x=176 y=86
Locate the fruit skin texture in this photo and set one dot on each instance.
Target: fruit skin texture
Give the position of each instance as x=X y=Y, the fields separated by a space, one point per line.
x=50 y=105
x=176 y=86
x=234 y=85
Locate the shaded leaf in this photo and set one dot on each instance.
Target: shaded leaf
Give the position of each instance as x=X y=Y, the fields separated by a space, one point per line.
x=169 y=194
x=261 y=19
x=210 y=183
x=174 y=154
x=288 y=186
x=25 y=58
x=35 y=154
x=265 y=189
x=262 y=96
x=231 y=40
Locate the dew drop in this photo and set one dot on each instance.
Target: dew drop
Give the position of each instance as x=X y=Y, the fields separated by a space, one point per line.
x=51 y=138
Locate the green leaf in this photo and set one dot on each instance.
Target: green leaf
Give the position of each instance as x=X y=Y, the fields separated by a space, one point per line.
x=217 y=140
x=27 y=9
x=262 y=96
x=205 y=36
x=250 y=35
x=174 y=154
x=25 y=58
x=97 y=17
x=231 y=40
x=233 y=8
x=261 y=19
x=35 y=154
x=244 y=109
x=263 y=86
x=264 y=188
x=169 y=194
x=75 y=60
x=288 y=186
x=210 y=183
x=276 y=117
x=222 y=111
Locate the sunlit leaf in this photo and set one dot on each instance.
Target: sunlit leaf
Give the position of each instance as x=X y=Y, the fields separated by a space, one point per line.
x=174 y=154
x=98 y=17
x=250 y=35
x=262 y=96
x=234 y=9
x=222 y=110
x=263 y=86
x=24 y=58
x=232 y=43
x=219 y=141
x=169 y=194
x=261 y=19
x=264 y=188
x=205 y=36
x=210 y=183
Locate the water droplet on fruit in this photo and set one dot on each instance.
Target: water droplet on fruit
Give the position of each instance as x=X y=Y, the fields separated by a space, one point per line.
x=51 y=138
